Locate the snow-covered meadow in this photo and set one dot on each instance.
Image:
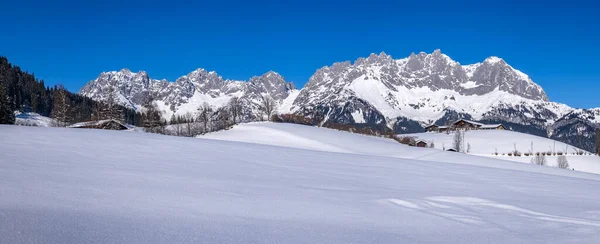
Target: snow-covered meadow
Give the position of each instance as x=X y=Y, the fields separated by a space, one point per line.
x=60 y=185
x=487 y=143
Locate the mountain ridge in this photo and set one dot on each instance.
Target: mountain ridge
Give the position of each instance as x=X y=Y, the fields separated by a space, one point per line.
x=377 y=91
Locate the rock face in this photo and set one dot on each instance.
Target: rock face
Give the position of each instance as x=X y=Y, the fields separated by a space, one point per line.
x=188 y=92
x=378 y=91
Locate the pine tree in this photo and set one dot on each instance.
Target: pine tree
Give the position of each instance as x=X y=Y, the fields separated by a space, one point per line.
x=111 y=109
x=61 y=107
x=598 y=141
x=151 y=117
x=7 y=115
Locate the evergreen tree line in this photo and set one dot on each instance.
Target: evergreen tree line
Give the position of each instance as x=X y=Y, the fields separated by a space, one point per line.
x=21 y=91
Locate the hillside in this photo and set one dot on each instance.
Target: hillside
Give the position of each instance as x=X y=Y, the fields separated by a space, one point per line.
x=483 y=143
x=487 y=143
x=95 y=186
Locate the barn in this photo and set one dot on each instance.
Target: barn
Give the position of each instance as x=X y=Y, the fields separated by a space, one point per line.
x=108 y=124
x=463 y=124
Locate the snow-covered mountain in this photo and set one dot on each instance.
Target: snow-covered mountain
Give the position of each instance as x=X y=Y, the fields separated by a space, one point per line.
x=187 y=92
x=378 y=91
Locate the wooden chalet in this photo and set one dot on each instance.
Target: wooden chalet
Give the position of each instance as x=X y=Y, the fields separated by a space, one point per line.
x=421 y=143
x=109 y=124
x=463 y=124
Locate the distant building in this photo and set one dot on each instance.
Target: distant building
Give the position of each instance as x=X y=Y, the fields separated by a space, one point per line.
x=109 y=124
x=463 y=124
x=421 y=143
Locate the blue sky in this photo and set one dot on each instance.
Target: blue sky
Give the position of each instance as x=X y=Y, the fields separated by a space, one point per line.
x=71 y=42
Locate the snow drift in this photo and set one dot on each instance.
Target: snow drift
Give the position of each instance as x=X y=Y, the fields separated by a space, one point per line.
x=63 y=185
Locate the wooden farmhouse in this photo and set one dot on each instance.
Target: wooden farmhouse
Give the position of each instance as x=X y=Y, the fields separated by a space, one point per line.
x=463 y=124
x=109 y=124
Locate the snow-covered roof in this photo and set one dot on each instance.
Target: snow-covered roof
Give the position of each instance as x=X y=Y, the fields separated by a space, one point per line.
x=98 y=122
x=470 y=122
x=491 y=126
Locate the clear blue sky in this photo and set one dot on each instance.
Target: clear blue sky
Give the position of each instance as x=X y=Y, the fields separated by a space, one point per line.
x=71 y=42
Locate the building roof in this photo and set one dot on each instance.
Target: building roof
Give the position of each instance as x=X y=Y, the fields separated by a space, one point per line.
x=491 y=126
x=94 y=123
x=469 y=121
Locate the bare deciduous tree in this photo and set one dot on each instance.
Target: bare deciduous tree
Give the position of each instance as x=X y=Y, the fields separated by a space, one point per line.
x=267 y=105
x=539 y=159
x=562 y=162
x=204 y=112
x=189 y=124
x=235 y=109
x=223 y=116
x=457 y=141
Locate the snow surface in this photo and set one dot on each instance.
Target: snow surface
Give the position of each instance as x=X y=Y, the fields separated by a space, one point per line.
x=486 y=143
x=323 y=139
x=96 y=186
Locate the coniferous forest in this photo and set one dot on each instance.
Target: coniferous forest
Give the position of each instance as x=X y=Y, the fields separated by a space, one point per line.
x=21 y=91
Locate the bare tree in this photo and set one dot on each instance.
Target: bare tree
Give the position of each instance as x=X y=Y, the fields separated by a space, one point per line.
x=562 y=162
x=204 y=112
x=531 y=149
x=177 y=129
x=267 y=105
x=457 y=141
x=62 y=106
x=189 y=124
x=235 y=109
x=223 y=116
x=539 y=159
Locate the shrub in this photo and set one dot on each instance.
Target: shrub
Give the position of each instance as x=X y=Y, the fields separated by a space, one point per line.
x=562 y=162
x=539 y=160
x=527 y=154
x=510 y=154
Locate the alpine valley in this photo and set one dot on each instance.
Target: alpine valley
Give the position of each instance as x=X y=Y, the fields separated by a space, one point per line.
x=403 y=95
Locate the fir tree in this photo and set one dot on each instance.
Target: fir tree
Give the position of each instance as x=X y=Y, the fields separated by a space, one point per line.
x=7 y=115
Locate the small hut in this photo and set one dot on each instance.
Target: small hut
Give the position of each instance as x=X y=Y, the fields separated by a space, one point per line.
x=421 y=143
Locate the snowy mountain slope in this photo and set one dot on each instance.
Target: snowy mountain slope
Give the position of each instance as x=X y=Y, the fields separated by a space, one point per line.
x=188 y=92
x=378 y=92
x=483 y=143
x=424 y=87
x=486 y=143
x=94 y=186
